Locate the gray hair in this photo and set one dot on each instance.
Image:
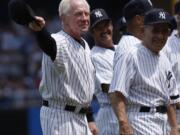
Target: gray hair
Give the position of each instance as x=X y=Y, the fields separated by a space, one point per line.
x=65 y=6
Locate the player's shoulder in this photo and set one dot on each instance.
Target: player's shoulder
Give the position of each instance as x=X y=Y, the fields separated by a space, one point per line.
x=141 y=49
x=126 y=42
x=97 y=49
x=128 y=39
x=102 y=54
x=62 y=40
x=96 y=52
x=128 y=53
x=126 y=48
x=164 y=57
x=59 y=37
x=171 y=39
x=170 y=45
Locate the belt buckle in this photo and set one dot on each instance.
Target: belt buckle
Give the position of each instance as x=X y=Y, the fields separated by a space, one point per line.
x=153 y=110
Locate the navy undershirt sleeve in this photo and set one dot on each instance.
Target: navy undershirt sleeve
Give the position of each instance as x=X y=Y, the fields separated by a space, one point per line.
x=46 y=43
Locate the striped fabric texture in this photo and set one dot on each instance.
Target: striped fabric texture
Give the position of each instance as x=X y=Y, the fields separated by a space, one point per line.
x=106 y=120
x=143 y=78
x=67 y=80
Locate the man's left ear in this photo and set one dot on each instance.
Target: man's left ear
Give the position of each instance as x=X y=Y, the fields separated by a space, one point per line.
x=139 y=19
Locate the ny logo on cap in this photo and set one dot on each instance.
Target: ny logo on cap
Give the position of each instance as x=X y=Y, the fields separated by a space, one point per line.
x=98 y=14
x=162 y=15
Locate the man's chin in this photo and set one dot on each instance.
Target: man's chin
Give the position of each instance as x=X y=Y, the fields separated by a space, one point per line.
x=83 y=31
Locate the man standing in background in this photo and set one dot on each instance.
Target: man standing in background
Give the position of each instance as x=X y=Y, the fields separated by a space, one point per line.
x=102 y=55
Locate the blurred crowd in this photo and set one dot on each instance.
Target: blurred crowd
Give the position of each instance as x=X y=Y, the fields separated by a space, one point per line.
x=20 y=64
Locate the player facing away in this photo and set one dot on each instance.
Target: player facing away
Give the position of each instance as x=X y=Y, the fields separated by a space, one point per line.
x=67 y=84
x=143 y=89
x=102 y=55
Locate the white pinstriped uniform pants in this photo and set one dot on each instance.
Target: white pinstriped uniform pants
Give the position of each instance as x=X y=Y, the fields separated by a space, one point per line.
x=148 y=123
x=178 y=116
x=106 y=121
x=60 y=122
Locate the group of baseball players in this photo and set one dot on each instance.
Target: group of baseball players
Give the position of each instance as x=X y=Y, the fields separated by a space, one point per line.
x=137 y=82
x=139 y=77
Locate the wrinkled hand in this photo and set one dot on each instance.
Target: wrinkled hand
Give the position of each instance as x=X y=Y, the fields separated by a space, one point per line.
x=38 y=24
x=125 y=129
x=93 y=128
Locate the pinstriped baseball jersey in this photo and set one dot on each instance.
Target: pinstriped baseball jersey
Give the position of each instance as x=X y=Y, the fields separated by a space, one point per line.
x=106 y=120
x=125 y=43
x=172 y=50
x=102 y=59
x=145 y=79
x=70 y=78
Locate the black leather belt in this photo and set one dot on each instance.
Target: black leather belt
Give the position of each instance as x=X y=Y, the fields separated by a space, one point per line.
x=70 y=108
x=177 y=107
x=105 y=87
x=159 y=109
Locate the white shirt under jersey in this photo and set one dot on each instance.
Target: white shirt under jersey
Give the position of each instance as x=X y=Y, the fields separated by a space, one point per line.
x=172 y=49
x=144 y=78
x=70 y=78
x=102 y=59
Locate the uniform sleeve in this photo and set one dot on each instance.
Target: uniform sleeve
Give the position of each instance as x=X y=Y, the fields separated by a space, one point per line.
x=123 y=74
x=173 y=91
x=172 y=83
x=46 y=43
x=62 y=55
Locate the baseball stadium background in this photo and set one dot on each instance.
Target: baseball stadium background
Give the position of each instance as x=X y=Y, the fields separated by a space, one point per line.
x=20 y=63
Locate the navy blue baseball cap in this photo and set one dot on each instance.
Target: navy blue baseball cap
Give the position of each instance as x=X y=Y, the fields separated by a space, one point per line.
x=98 y=15
x=173 y=23
x=177 y=8
x=157 y=15
x=136 y=7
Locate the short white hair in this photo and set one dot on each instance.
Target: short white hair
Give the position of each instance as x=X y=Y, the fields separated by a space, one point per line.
x=65 y=6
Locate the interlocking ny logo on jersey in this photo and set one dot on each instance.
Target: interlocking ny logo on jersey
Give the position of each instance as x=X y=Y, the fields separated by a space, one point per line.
x=162 y=15
x=168 y=78
x=98 y=14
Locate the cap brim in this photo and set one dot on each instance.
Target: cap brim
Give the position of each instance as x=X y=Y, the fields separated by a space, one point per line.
x=98 y=21
x=157 y=22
